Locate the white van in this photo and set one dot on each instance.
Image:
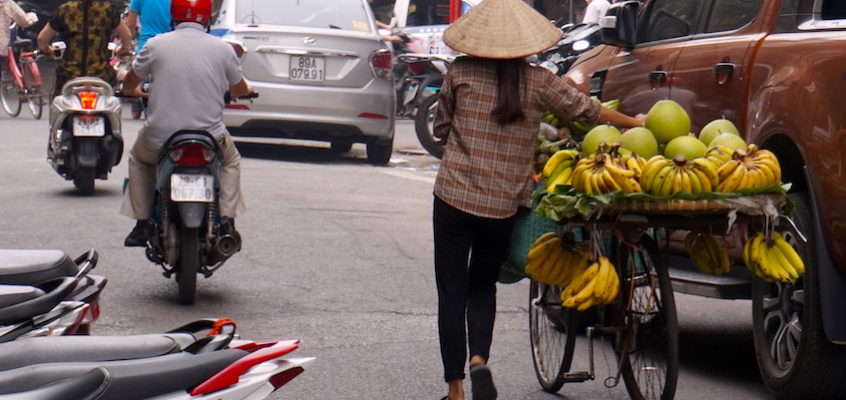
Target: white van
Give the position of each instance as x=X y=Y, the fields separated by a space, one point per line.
x=425 y=21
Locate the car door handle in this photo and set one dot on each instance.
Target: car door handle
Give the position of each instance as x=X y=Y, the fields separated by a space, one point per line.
x=657 y=79
x=723 y=71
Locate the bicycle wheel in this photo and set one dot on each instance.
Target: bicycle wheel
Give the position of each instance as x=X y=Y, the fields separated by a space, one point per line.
x=552 y=331
x=9 y=97
x=34 y=97
x=648 y=344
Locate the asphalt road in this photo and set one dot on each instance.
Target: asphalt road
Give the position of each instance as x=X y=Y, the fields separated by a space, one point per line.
x=337 y=253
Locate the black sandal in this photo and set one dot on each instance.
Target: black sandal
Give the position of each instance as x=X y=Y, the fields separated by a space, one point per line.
x=481 y=382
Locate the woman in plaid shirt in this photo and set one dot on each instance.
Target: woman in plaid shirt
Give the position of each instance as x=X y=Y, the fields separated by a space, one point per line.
x=490 y=107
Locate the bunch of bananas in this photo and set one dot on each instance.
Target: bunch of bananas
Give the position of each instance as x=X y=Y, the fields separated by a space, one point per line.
x=707 y=255
x=599 y=173
x=597 y=284
x=558 y=170
x=554 y=260
x=632 y=162
x=662 y=176
x=772 y=260
x=750 y=169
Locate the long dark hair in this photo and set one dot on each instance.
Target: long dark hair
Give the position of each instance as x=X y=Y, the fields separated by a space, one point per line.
x=509 y=108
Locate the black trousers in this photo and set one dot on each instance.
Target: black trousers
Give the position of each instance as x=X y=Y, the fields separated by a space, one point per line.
x=468 y=253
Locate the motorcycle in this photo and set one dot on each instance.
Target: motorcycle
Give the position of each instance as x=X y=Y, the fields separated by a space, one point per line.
x=187 y=237
x=175 y=365
x=85 y=132
x=45 y=293
x=425 y=115
x=122 y=65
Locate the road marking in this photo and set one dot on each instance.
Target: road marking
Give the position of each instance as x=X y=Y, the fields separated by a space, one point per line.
x=407 y=175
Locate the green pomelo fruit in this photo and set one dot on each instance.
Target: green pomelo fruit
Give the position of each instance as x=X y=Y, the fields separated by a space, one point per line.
x=688 y=146
x=729 y=140
x=641 y=141
x=667 y=120
x=602 y=133
x=715 y=128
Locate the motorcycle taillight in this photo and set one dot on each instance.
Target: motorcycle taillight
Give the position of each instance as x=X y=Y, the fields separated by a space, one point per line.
x=192 y=155
x=88 y=100
x=284 y=377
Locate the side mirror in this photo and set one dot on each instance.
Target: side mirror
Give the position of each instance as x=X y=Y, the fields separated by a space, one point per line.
x=619 y=25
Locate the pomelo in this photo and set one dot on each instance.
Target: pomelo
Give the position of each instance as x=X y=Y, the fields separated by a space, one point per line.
x=602 y=133
x=641 y=141
x=729 y=140
x=667 y=120
x=688 y=146
x=715 y=128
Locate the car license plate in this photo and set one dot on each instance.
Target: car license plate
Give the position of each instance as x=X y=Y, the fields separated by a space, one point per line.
x=89 y=126
x=307 y=68
x=196 y=188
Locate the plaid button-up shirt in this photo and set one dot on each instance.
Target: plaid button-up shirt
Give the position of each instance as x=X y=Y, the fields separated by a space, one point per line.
x=486 y=169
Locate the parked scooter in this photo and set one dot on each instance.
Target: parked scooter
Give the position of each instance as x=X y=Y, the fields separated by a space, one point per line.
x=174 y=365
x=45 y=293
x=188 y=235
x=425 y=115
x=85 y=132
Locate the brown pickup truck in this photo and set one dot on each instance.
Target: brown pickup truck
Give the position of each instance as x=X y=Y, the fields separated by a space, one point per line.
x=777 y=68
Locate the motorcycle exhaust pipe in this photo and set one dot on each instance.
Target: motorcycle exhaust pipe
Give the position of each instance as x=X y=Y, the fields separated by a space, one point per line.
x=227 y=245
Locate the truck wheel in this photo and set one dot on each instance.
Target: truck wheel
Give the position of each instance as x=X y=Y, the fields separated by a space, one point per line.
x=795 y=359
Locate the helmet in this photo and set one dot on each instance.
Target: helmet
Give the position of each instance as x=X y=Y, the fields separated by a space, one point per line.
x=199 y=11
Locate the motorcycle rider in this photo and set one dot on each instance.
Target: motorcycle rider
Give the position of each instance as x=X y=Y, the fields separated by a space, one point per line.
x=85 y=25
x=193 y=70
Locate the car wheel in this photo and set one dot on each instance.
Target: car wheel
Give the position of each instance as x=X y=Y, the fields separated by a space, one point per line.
x=795 y=358
x=341 y=147
x=379 y=152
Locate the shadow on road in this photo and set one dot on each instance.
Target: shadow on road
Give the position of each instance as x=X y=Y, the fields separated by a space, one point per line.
x=296 y=153
x=724 y=354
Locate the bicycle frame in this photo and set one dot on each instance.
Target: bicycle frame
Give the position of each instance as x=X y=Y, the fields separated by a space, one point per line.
x=25 y=59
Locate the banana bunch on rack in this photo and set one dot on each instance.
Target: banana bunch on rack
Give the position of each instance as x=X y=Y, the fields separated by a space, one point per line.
x=558 y=170
x=597 y=284
x=662 y=176
x=707 y=255
x=773 y=260
x=599 y=173
x=750 y=169
x=555 y=260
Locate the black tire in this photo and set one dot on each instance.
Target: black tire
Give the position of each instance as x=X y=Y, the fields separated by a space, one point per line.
x=649 y=342
x=795 y=359
x=552 y=335
x=379 y=153
x=423 y=126
x=84 y=180
x=189 y=264
x=340 y=146
x=34 y=98
x=9 y=97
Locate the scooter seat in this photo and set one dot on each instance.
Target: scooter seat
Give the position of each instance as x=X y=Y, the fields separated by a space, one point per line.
x=127 y=379
x=31 y=267
x=85 y=386
x=51 y=349
x=15 y=294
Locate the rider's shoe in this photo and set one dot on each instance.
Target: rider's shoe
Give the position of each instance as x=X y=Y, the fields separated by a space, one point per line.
x=139 y=236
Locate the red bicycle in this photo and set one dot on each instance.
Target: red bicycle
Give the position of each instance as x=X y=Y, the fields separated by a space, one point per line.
x=21 y=79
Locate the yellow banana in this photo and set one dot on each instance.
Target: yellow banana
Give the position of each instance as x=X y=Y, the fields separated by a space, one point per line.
x=668 y=183
x=683 y=181
x=727 y=169
x=560 y=179
x=581 y=296
x=556 y=159
x=789 y=253
x=581 y=281
x=732 y=181
x=543 y=249
x=772 y=166
x=650 y=171
x=544 y=237
x=768 y=174
x=610 y=282
x=549 y=268
x=778 y=257
x=707 y=168
x=609 y=181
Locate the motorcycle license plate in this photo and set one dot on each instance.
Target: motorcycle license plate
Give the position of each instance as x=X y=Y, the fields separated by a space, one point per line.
x=307 y=68
x=89 y=126
x=194 y=188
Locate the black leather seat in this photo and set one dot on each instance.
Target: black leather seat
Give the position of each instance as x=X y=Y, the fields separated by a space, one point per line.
x=31 y=267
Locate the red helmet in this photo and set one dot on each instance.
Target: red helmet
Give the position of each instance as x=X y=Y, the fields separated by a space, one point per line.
x=199 y=11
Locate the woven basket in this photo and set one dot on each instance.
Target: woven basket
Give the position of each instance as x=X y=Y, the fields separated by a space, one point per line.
x=527 y=229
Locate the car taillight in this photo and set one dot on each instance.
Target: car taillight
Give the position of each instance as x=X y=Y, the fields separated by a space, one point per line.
x=192 y=155
x=381 y=63
x=284 y=377
x=88 y=100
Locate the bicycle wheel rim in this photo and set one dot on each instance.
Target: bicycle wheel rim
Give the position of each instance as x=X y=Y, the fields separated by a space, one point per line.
x=9 y=98
x=34 y=98
x=552 y=335
x=650 y=366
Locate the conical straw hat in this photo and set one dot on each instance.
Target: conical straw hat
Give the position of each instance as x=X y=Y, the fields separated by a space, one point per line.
x=501 y=29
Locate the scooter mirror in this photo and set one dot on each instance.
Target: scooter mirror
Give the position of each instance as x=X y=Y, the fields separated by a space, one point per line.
x=58 y=49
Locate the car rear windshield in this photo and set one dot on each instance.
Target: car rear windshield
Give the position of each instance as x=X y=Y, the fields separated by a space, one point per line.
x=334 y=14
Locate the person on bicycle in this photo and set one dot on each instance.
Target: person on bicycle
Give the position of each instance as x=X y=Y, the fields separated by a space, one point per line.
x=490 y=107
x=154 y=16
x=12 y=12
x=86 y=27
x=193 y=71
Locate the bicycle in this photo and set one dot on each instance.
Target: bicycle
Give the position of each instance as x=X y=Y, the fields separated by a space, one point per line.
x=21 y=79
